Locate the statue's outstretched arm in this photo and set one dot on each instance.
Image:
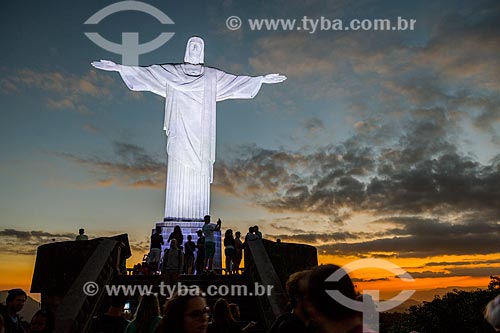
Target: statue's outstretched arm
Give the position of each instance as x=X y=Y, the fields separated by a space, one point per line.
x=149 y=78
x=273 y=78
x=106 y=65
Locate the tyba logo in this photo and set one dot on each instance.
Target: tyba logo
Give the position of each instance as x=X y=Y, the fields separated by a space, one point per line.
x=130 y=49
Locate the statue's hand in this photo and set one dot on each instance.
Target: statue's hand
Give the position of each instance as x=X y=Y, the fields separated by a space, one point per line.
x=273 y=78
x=105 y=65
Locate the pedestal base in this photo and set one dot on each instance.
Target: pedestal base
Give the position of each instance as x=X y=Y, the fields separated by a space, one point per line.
x=190 y=228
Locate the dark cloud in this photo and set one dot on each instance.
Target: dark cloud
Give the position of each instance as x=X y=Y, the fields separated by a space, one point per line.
x=26 y=242
x=139 y=246
x=416 y=226
x=407 y=237
x=470 y=271
x=462 y=263
x=35 y=235
x=321 y=182
x=131 y=166
x=425 y=238
x=317 y=238
x=286 y=228
x=424 y=173
x=369 y=280
x=16 y=233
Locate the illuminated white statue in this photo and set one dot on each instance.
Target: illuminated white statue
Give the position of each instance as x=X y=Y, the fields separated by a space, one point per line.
x=191 y=91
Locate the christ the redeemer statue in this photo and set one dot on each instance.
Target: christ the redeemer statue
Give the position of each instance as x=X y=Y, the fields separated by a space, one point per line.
x=191 y=91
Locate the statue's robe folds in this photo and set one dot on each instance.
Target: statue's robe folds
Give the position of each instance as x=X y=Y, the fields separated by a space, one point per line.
x=191 y=93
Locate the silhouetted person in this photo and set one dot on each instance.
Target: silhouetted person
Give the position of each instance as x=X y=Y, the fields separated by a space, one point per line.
x=257 y=232
x=222 y=320
x=200 y=253
x=185 y=313
x=177 y=235
x=81 y=235
x=146 y=317
x=155 y=251
x=113 y=321
x=234 y=309
x=239 y=252
x=208 y=231
x=295 y=320
x=43 y=321
x=173 y=262
x=250 y=236
x=10 y=311
x=189 y=248
x=229 y=250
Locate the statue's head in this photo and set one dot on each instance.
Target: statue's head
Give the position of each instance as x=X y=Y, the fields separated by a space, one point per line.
x=195 y=51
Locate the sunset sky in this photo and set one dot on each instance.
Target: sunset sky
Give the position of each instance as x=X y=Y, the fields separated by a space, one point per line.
x=381 y=144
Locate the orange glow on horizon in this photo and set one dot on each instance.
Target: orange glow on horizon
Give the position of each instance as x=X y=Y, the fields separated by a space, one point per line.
x=389 y=285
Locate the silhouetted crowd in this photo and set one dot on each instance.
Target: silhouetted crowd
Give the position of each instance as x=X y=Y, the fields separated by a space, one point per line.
x=180 y=313
x=194 y=258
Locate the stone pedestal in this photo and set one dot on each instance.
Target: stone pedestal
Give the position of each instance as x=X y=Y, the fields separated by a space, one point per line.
x=190 y=228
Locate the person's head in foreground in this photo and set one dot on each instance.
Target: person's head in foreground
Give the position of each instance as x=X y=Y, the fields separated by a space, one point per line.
x=222 y=314
x=15 y=300
x=43 y=321
x=147 y=310
x=324 y=312
x=296 y=287
x=492 y=313
x=184 y=314
x=118 y=302
x=235 y=311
